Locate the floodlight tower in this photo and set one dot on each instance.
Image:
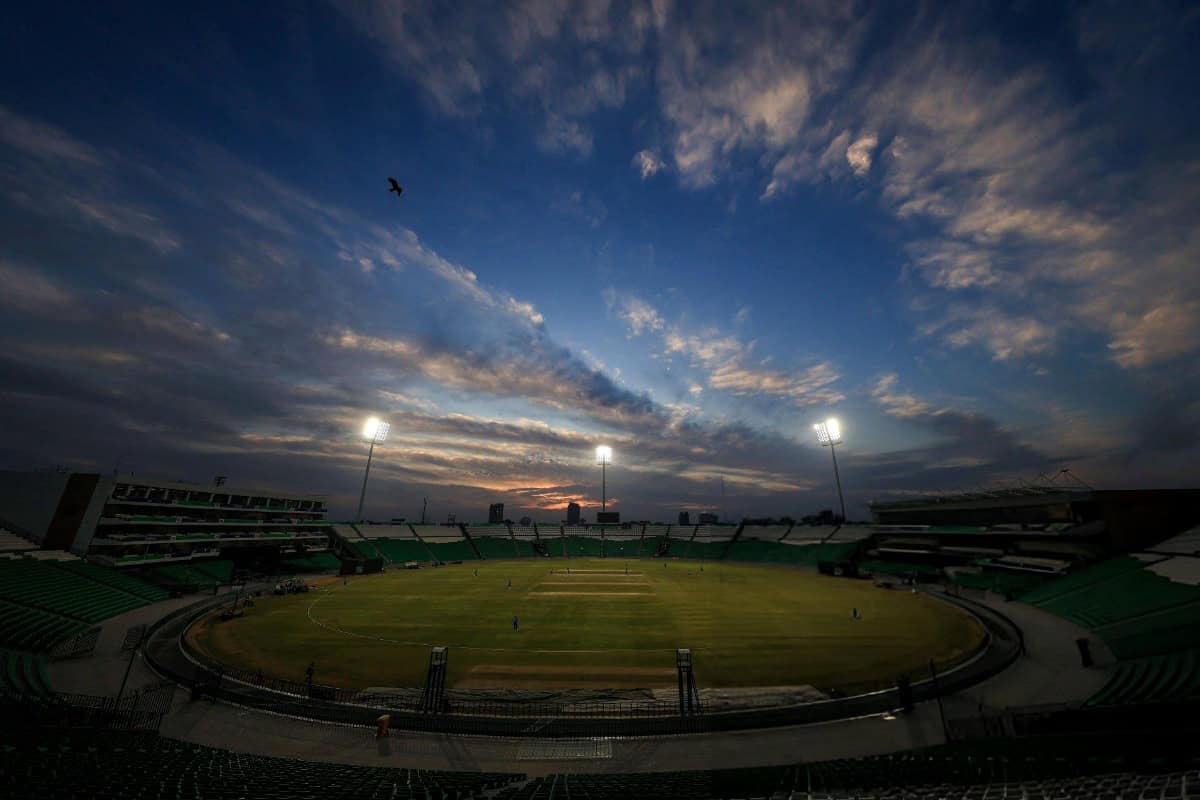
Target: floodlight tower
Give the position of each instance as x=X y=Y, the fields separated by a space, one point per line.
x=374 y=431
x=829 y=434
x=603 y=459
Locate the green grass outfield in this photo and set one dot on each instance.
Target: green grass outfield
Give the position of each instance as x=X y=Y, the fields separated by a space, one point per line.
x=596 y=627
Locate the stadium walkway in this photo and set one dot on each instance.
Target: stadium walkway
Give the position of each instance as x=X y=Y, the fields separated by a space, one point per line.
x=1049 y=673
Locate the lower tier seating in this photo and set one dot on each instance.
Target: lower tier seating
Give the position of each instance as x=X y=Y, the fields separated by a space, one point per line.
x=25 y=628
x=144 y=765
x=24 y=673
x=496 y=547
x=1167 y=678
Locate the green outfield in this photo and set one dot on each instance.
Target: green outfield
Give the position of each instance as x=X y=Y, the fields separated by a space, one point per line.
x=598 y=626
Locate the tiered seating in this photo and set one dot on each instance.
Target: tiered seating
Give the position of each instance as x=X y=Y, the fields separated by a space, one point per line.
x=111 y=577
x=1127 y=595
x=1186 y=543
x=198 y=575
x=145 y=765
x=1006 y=583
x=582 y=546
x=655 y=539
x=25 y=628
x=809 y=533
x=44 y=586
x=549 y=530
x=12 y=543
x=524 y=532
x=446 y=543
x=1166 y=678
x=24 y=673
x=1082 y=579
x=783 y=553
x=899 y=569
x=312 y=562
x=398 y=551
x=768 y=533
x=497 y=547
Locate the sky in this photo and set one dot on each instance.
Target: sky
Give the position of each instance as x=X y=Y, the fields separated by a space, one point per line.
x=688 y=231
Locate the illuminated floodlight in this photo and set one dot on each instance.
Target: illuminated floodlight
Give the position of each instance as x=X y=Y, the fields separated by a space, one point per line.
x=603 y=455
x=375 y=430
x=828 y=432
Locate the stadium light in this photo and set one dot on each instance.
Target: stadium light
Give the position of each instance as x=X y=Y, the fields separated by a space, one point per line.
x=603 y=459
x=374 y=431
x=829 y=434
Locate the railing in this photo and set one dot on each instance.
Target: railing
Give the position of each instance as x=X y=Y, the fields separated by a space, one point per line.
x=81 y=644
x=141 y=710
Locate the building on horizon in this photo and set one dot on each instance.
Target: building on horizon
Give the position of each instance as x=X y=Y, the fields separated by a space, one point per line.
x=572 y=513
x=685 y=518
x=496 y=513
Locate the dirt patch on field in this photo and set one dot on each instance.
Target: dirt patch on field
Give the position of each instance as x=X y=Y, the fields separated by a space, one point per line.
x=613 y=573
x=488 y=676
x=593 y=583
x=590 y=594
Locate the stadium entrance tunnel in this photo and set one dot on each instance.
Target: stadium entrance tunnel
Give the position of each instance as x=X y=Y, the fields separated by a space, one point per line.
x=168 y=654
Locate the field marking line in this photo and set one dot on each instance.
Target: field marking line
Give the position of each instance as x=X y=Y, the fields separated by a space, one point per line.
x=336 y=629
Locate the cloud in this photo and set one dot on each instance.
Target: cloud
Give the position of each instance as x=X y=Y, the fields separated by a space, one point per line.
x=728 y=361
x=859 y=154
x=648 y=163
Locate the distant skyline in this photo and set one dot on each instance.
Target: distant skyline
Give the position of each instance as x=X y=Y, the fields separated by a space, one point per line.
x=685 y=230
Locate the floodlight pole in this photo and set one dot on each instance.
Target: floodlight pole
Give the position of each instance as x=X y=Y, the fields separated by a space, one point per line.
x=837 y=479
x=603 y=487
x=363 y=494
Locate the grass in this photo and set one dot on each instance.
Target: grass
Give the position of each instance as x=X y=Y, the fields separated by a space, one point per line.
x=596 y=627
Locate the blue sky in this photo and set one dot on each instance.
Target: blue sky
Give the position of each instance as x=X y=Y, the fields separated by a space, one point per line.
x=686 y=230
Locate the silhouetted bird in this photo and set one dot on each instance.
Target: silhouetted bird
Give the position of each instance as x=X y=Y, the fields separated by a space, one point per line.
x=395 y=187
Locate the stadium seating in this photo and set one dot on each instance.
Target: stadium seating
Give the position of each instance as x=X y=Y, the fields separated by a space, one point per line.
x=399 y=551
x=48 y=587
x=581 y=546
x=1006 y=583
x=23 y=673
x=1165 y=678
x=1082 y=579
x=784 y=553
x=457 y=550
x=195 y=575
x=497 y=547
x=114 y=578
x=25 y=628
x=1129 y=594
x=311 y=562
x=144 y=765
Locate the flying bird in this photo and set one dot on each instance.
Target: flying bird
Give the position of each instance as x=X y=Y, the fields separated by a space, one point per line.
x=395 y=187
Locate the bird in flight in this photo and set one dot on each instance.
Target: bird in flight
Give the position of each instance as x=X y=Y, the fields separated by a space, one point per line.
x=395 y=187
